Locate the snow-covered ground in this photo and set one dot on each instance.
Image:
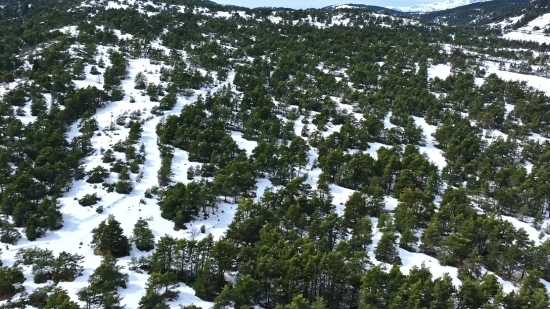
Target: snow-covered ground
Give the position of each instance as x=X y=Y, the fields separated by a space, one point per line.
x=533 y=31
x=75 y=236
x=441 y=70
x=537 y=82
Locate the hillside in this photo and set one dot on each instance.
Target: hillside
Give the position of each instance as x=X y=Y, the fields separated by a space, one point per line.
x=372 y=8
x=439 y=6
x=184 y=154
x=480 y=13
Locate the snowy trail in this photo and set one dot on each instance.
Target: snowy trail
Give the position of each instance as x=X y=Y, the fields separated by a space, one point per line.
x=79 y=221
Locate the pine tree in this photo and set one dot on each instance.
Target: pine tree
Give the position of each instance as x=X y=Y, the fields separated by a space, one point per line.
x=162 y=284
x=361 y=235
x=78 y=70
x=165 y=172
x=8 y=233
x=298 y=302
x=152 y=300
x=124 y=186
x=408 y=239
x=143 y=237
x=140 y=81
x=530 y=291
x=33 y=229
x=59 y=299
x=38 y=106
x=135 y=131
x=375 y=289
x=432 y=238
x=386 y=250
x=52 y=217
x=443 y=293
x=109 y=238
x=107 y=277
x=319 y=303
x=66 y=267
x=97 y=298
x=205 y=285
x=11 y=279
x=94 y=70
x=356 y=208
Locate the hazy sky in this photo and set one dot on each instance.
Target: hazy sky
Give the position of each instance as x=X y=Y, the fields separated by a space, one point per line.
x=302 y=4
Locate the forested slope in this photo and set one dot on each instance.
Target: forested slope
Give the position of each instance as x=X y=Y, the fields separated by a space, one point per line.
x=170 y=154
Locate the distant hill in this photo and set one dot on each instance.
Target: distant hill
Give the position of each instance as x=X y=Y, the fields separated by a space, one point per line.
x=481 y=13
x=373 y=8
x=438 y=6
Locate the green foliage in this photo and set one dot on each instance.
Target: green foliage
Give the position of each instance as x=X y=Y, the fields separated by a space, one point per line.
x=39 y=297
x=38 y=106
x=109 y=239
x=99 y=173
x=89 y=199
x=124 y=187
x=8 y=233
x=108 y=156
x=386 y=250
x=143 y=237
x=59 y=299
x=11 y=279
x=94 y=70
x=103 y=285
x=360 y=93
x=168 y=102
x=140 y=81
x=181 y=203
x=78 y=70
x=63 y=268
x=33 y=229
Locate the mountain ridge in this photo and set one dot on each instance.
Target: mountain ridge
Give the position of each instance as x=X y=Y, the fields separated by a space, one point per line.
x=419 y=8
x=437 y=6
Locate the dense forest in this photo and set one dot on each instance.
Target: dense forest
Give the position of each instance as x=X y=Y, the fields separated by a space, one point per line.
x=183 y=154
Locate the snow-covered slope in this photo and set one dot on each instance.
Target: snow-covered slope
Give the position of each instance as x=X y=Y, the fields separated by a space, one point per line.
x=535 y=31
x=437 y=6
x=128 y=209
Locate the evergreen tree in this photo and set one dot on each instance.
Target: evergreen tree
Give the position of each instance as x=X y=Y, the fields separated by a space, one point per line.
x=67 y=267
x=356 y=208
x=109 y=238
x=8 y=233
x=386 y=250
x=140 y=81
x=11 y=279
x=152 y=300
x=33 y=229
x=107 y=277
x=59 y=299
x=94 y=70
x=78 y=70
x=98 y=298
x=38 y=106
x=143 y=237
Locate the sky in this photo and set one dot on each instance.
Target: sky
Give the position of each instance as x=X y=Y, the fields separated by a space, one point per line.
x=302 y=4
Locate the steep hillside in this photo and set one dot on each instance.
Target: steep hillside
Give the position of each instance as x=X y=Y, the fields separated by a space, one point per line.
x=183 y=154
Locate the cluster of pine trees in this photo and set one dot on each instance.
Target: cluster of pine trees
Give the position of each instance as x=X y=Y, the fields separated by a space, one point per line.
x=313 y=101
